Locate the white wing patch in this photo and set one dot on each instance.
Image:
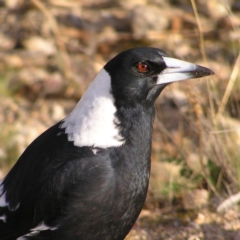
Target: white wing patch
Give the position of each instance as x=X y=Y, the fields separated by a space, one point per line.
x=93 y=122
x=28 y=235
x=35 y=231
x=40 y=227
x=4 y=203
x=3 y=218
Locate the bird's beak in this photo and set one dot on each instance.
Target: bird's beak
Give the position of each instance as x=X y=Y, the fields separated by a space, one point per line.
x=178 y=70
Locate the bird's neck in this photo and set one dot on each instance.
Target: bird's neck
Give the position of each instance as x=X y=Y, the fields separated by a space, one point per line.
x=136 y=123
x=135 y=153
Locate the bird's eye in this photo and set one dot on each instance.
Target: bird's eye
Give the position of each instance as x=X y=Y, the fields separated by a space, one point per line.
x=142 y=67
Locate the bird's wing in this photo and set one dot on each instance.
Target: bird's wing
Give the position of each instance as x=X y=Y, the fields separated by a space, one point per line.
x=34 y=193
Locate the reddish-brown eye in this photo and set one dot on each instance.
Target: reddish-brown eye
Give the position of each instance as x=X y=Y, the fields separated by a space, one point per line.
x=142 y=67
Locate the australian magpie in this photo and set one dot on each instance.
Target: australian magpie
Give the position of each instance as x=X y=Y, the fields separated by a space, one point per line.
x=86 y=178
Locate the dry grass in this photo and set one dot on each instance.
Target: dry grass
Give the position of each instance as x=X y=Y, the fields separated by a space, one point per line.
x=217 y=138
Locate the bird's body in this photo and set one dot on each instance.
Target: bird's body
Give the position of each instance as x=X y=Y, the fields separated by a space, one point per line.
x=87 y=176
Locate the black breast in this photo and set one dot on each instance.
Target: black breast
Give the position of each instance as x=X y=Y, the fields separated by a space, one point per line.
x=113 y=190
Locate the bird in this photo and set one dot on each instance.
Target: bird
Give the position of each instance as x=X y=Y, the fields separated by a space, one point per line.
x=86 y=177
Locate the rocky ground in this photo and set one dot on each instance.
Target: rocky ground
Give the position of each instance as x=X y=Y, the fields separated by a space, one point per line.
x=51 y=50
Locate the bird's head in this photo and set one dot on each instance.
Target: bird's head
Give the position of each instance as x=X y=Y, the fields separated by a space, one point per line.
x=140 y=74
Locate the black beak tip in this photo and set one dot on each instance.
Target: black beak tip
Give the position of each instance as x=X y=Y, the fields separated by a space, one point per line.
x=203 y=72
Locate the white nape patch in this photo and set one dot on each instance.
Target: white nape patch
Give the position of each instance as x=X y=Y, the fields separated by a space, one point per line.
x=93 y=122
x=176 y=70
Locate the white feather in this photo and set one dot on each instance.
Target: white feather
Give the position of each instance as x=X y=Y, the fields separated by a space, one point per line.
x=3 y=201
x=40 y=227
x=3 y=218
x=35 y=231
x=93 y=120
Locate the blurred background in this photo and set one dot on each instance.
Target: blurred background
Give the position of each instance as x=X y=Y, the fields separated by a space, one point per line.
x=50 y=51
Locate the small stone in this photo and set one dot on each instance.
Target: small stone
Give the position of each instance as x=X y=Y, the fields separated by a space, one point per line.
x=39 y=44
x=194 y=162
x=195 y=199
x=6 y=43
x=12 y=4
x=148 y=18
x=130 y=4
x=58 y=112
x=54 y=85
